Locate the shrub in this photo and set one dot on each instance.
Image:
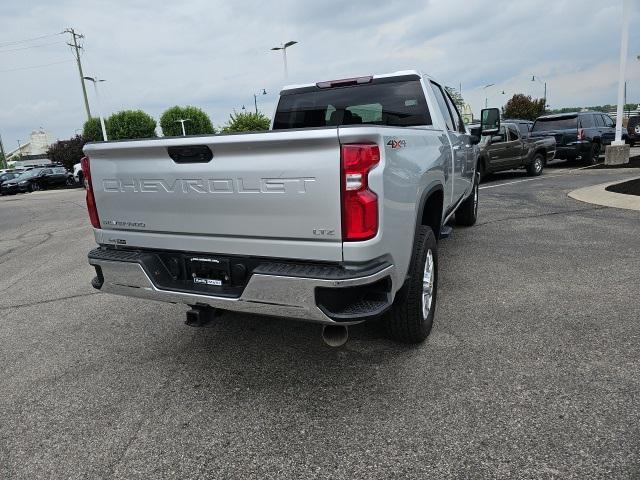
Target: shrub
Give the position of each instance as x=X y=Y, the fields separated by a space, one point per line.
x=67 y=152
x=92 y=131
x=129 y=124
x=199 y=122
x=246 y=122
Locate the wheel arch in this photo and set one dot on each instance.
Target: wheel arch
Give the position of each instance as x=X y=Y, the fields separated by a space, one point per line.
x=431 y=209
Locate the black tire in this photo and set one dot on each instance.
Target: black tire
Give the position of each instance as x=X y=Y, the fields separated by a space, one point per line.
x=405 y=322
x=34 y=187
x=536 y=166
x=482 y=170
x=467 y=212
x=594 y=154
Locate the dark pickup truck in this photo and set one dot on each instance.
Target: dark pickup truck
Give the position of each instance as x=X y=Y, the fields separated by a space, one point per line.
x=511 y=149
x=579 y=135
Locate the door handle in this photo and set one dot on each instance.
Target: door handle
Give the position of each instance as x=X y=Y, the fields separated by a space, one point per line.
x=190 y=154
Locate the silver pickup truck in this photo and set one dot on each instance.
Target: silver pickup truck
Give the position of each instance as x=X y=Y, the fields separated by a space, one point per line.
x=332 y=216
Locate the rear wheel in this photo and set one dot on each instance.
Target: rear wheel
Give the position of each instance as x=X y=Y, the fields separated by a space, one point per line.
x=536 y=166
x=34 y=187
x=411 y=316
x=594 y=154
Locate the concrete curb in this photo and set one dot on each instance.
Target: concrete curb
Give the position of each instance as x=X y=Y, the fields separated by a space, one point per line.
x=597 y=195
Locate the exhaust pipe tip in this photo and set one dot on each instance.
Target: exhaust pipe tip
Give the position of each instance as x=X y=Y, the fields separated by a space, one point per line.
x=335 y=335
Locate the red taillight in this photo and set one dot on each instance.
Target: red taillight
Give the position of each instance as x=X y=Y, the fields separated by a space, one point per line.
x=359 y=204
x=580 y=134
x=91 y=201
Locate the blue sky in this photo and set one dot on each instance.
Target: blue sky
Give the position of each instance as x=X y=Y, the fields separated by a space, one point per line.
x=215 y=54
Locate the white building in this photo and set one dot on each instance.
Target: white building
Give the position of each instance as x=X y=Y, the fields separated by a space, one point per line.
x=39 y=142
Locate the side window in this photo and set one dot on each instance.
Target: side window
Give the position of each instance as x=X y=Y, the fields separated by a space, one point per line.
x=524 y=129
x=46 y=171
x=608 y=121
x=513 y=133
x=599 y=120
x=457 y=118
x=586 y=121
x=442 y=103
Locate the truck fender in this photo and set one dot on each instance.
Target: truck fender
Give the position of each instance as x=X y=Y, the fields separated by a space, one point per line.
x=435 y=188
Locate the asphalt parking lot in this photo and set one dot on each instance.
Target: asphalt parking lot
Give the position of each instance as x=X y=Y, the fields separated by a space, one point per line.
x=532 y=369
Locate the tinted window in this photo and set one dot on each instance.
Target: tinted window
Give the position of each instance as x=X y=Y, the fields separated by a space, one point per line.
x=586 y=121
x=400 y=104
x=524 y=129
x=608 y=121
x=59 y=170
x=444 y=108
x=598 y=120
x=513 y=133
x=555 y=123
x=47 y=171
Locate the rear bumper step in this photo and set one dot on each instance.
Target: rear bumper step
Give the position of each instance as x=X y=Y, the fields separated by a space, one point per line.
x=313 y=292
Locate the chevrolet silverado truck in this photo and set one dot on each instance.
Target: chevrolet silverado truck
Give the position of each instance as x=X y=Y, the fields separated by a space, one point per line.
x=511 y=149
x=332 y=216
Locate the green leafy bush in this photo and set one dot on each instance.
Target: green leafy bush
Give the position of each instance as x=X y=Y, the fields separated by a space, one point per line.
x=67 y=152
x=129 y=124
x=524 y=107
x=246 y=122
x=92 y=131
x=199 y=122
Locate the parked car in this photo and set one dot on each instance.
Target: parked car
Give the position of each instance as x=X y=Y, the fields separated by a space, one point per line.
x=6 y=177
x=523 y=125
x=331 y=217
x=633 y=130
x=510 y=149
x=37 y=179
x=579 y=135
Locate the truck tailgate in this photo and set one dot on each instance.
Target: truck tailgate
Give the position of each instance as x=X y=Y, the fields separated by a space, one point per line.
x=271 y=188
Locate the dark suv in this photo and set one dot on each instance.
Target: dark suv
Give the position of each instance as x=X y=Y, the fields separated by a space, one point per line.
x=579 y=135
x=633 y=130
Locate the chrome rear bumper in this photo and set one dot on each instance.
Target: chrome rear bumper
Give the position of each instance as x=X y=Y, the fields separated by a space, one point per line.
x=265 y=294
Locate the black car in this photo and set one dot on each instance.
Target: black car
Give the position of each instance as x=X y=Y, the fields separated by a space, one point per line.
x=579 y=135
x=36 y=179
x=633 y=130
x=523 y=125
x=5 y=177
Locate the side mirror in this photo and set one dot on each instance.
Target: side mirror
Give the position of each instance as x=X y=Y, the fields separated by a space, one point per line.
x=489 y=121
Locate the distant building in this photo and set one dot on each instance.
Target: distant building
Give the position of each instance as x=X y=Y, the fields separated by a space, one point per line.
x=39 y=142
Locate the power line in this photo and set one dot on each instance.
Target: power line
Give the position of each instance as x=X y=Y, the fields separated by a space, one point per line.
x=15 y=42
x=31 y=46
x=34 y=66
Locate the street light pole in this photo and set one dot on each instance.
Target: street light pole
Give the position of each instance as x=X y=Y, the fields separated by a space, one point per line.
x=486 y=99
x=255 y=98
x=624 y=46
x=284 y=47
x=95 y=81
x=181 y=122
x=533 y=79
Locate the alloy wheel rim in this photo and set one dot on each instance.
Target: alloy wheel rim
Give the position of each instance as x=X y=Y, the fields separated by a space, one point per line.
x=538 y=165
x=427 y=285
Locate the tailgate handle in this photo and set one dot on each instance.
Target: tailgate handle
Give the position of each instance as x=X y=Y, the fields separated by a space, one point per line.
x=190 y=154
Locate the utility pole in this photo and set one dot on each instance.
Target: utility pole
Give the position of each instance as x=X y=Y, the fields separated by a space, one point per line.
x=75 y=36
x=4 y=159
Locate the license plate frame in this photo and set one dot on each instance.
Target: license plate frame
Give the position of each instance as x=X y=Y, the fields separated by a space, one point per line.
x=209 y=271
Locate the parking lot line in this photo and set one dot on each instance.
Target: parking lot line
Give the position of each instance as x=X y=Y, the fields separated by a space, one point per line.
x=542 y=177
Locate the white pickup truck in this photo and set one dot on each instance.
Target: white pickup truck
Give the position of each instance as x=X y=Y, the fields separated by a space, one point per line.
x=332 y=216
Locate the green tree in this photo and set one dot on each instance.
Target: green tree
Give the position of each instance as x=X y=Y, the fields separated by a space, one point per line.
x=199 y=122
x=67 y=152
x=246 y=122
x=129 y=124
x=524 y=107
x=92 y=130
x=456 y=96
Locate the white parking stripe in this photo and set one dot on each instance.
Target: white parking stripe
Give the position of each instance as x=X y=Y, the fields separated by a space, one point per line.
x=542 y=177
